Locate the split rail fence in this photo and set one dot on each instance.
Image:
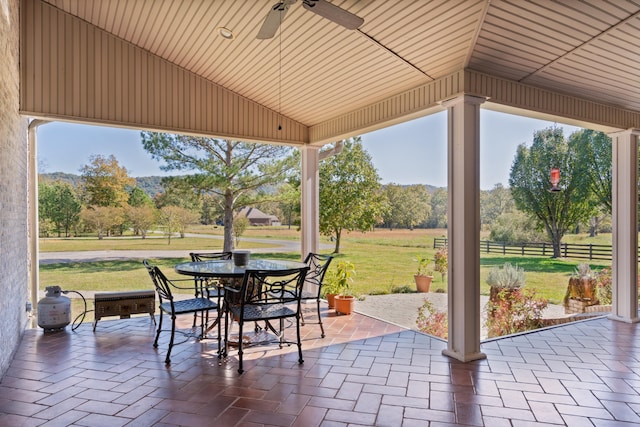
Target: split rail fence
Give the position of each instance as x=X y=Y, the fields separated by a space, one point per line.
x=567 y=250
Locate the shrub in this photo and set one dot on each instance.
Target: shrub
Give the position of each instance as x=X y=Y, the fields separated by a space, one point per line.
x=513 y=311
x=441 y=260
x=402 y=289
x=603 y=286
x=583 y=271
x=433 y=321
x=510 y=277
x=515 y=227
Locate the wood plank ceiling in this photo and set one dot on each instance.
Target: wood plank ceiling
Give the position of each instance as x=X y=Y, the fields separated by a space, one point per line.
x=315 y=70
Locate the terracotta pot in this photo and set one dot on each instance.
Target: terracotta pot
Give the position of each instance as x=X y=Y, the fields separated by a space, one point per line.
x=331 y=299
x=344 y=304
x=423 y=283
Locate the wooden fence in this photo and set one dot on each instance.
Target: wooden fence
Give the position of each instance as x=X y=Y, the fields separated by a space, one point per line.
x=567 y=250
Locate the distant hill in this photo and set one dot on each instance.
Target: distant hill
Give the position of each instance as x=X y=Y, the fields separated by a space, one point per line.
x=69 y=178
x=151 y=185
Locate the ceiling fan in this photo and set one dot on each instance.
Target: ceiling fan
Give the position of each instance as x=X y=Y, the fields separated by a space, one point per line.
x=321 y=7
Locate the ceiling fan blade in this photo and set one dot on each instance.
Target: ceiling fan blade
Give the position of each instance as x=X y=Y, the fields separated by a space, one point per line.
x=334 y=13
x=272 y=21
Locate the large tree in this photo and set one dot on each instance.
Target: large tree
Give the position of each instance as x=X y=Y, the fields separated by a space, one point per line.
x=59 y=203
x=494 y=203
x=559 y=211
x=106 y=183
x=595 y=156
x=438 y=216
x=409 y=206
x=236 y=172
x=350 y=193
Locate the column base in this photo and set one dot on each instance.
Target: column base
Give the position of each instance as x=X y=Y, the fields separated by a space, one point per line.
x=623 y=319
x=464 y=357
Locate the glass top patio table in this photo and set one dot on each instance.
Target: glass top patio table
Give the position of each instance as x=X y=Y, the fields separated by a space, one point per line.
x=226 y=268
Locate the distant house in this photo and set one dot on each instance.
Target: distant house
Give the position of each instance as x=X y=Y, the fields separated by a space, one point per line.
x=257 y=217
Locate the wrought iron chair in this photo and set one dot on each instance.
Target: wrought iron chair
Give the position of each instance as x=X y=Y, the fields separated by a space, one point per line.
x=208 y=286
x=265 y=296
x=312 y=290
x=167 y=303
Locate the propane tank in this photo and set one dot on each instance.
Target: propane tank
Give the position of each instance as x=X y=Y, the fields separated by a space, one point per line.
x=54 y=310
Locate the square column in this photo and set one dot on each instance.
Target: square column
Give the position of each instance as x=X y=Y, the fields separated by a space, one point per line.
x=310 y=200
x=464 y=227
x=624 y=154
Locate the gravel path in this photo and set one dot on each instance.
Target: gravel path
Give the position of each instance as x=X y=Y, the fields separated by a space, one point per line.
x=402 y=309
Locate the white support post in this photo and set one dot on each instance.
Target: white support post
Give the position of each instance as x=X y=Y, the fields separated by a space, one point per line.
x=464 y=227
x=625 y=226
x=34 y=261
x=310 y=189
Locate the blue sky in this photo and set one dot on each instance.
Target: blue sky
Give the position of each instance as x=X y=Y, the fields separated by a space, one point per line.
x=414 y=152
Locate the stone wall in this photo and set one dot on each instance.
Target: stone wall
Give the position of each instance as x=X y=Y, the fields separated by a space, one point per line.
x=14 y=288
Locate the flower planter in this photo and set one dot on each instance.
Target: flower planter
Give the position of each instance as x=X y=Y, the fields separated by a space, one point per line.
x=344 y=304
x=423 y=283
x=330 y=299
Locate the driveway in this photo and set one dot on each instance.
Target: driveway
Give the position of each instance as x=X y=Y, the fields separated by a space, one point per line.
x=285 y=246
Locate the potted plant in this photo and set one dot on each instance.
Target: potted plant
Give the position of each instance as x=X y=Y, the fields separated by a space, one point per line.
x=504 y=280
x=581 y=289
x=424 y=275
x=339 y=281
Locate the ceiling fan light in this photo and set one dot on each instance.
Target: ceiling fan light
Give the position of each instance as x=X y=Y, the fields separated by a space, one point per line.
x=225 y=33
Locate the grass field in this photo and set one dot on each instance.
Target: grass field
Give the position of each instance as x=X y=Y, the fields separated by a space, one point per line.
x=384 y=261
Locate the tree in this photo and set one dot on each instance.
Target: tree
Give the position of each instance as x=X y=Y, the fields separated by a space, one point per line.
x=106 y=182
x=418 y=205
x=138 y=198
x=102 y=219
x=237 y=172
x=240 y=225
x=59 y=203
x=556 y=212
x=438 y=217
x=175 y=219
x=494 y=203
x=395 y=198
x=350 y=192
x=141 y=218
x=408 y=206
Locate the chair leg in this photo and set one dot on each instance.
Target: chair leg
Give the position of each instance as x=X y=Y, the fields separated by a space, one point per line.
x=300 y=359
x=319 y=319
x=167 y=360
x=240 y=324
x=155 y=343
x=302 y=317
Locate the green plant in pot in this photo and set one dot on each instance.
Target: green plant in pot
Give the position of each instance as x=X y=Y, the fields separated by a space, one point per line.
x=338 y=282
x=424 y=274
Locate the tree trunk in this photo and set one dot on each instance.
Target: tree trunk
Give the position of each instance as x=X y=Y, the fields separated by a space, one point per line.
x=228 y=222
x=336 y=250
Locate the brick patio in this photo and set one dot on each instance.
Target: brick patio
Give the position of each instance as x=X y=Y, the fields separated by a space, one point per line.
x=366 y=372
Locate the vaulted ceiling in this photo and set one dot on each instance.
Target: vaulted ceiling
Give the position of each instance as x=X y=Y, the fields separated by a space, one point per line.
x=315 y=70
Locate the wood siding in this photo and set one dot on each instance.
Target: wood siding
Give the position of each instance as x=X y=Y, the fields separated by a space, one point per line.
x=71 y=70
x=525 y=97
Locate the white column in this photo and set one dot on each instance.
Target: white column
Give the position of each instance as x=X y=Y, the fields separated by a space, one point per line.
x=625 y=226
x=464 y=227
x=310 y=205
x=34 y=261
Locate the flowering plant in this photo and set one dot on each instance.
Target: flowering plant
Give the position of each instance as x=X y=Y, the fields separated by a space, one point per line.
x=513 y=311
x=432 y=321
x=603 y=286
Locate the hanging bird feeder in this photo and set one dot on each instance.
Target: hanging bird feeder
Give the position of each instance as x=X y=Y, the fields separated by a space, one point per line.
x=555 y=180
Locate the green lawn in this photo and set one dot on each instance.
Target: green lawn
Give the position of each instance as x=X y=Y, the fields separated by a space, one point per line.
x=384 y=261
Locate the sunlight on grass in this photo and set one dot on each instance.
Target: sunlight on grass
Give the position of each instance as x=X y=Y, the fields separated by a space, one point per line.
x=384 y=260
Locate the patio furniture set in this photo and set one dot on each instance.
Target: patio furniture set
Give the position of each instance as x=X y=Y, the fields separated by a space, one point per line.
x=231 y=288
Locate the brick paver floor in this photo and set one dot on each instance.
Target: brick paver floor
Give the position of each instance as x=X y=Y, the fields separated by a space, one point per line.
x=365 y=372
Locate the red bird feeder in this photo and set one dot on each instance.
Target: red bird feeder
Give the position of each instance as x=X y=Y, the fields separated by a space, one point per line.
x=555 y=179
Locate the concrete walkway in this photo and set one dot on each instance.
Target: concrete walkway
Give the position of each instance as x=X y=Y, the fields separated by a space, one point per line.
x=402 y=309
